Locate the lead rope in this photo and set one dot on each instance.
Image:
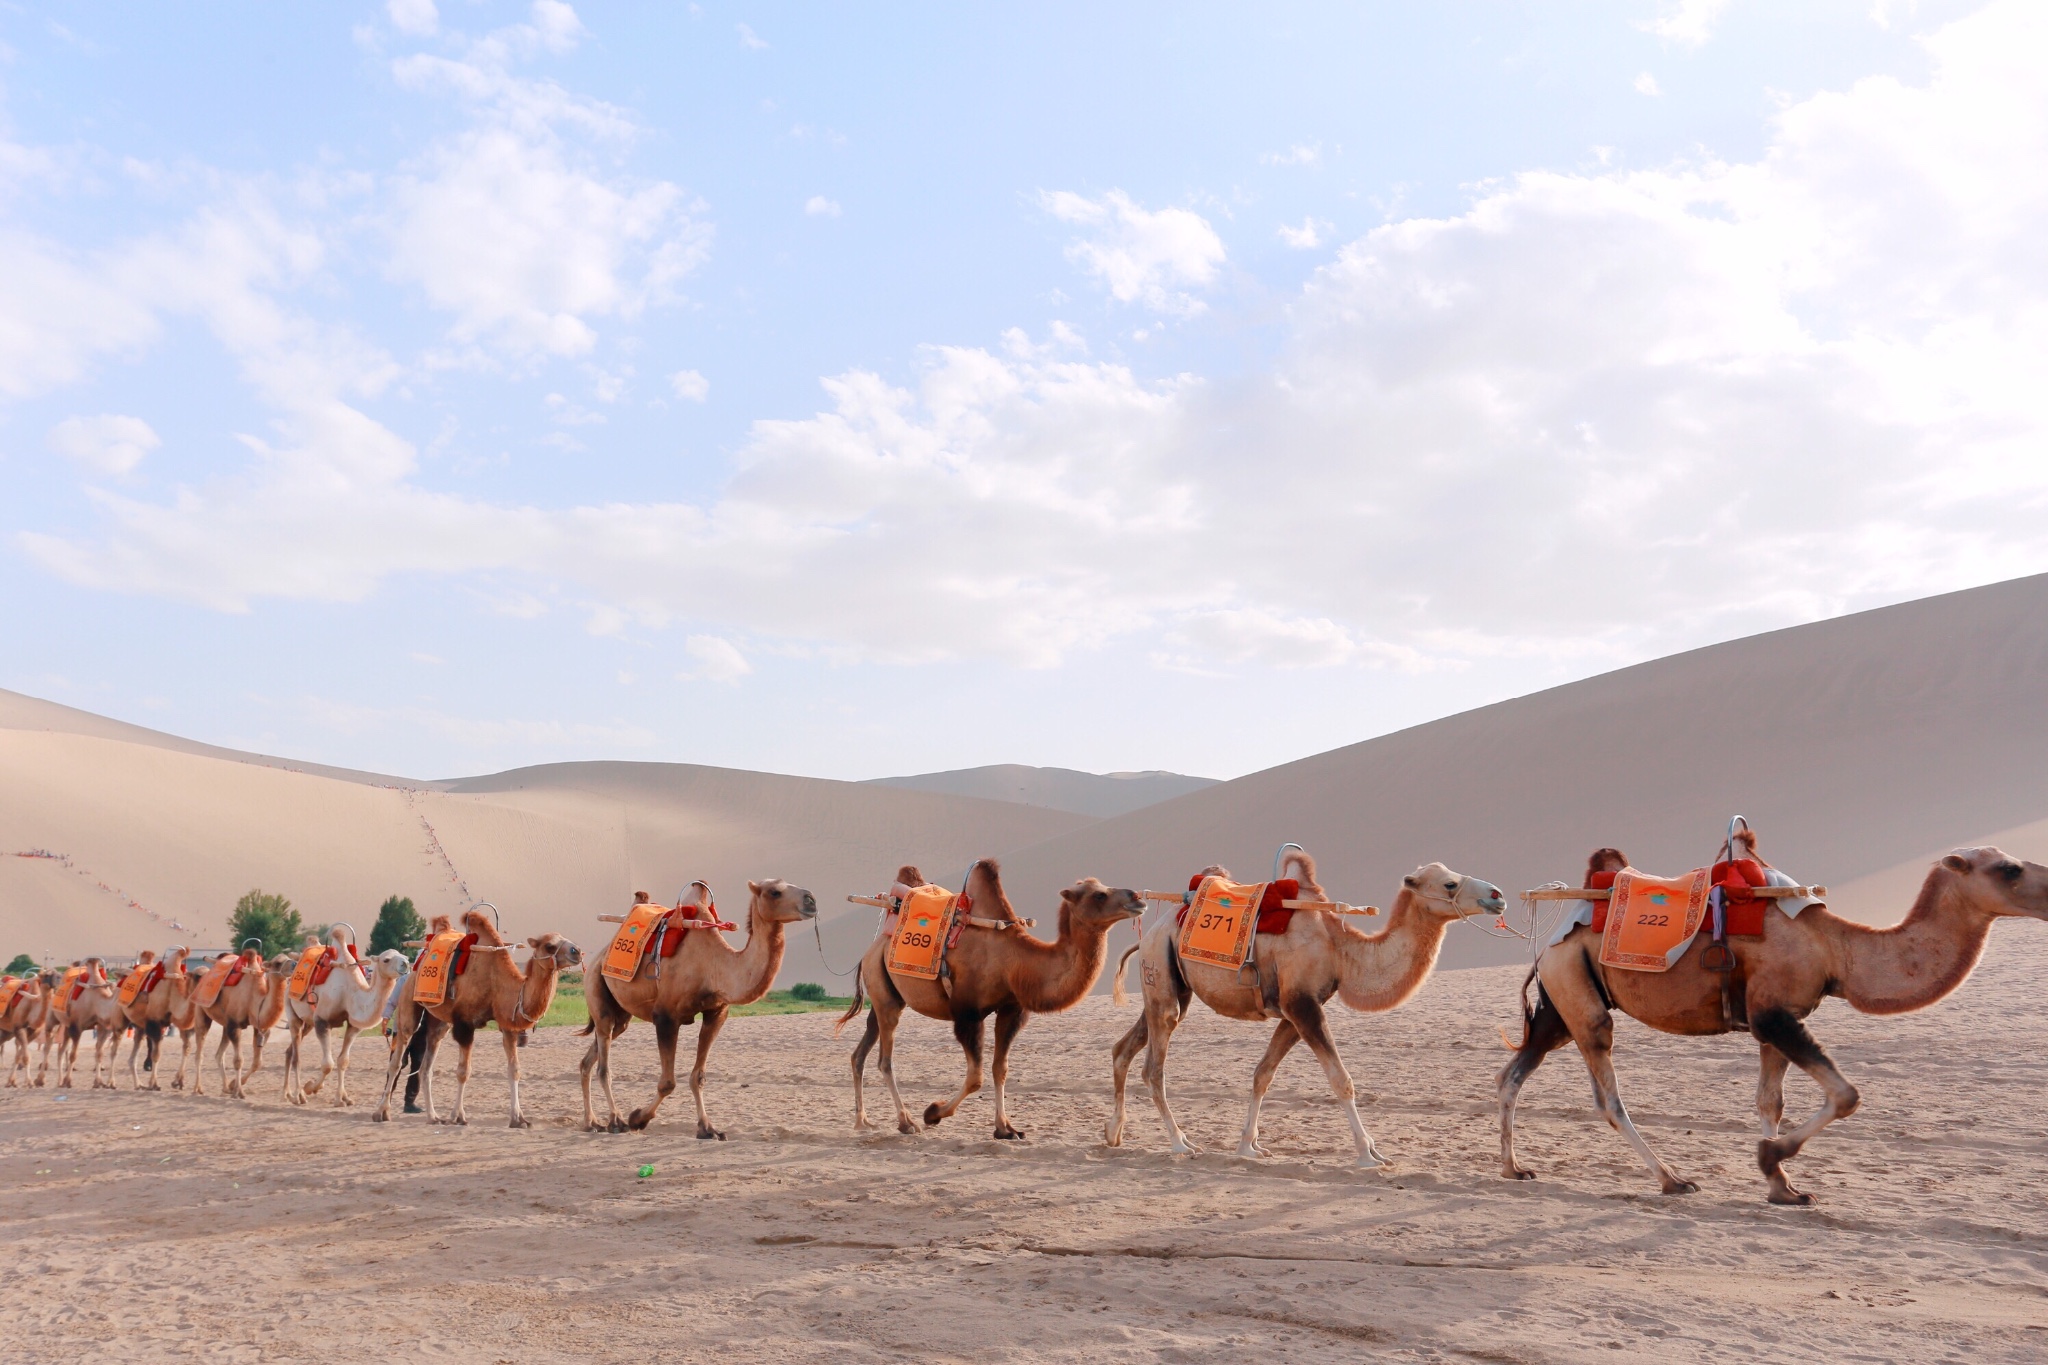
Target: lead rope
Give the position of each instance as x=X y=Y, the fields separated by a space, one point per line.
x=881 y=918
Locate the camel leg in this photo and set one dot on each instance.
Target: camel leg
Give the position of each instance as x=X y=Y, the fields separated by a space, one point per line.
x=398 y=1039
x=1596 y=1045
x=1307 y=1017
x=153 y=1054
x=294 y=1077
x=134 y=1047
x=1120 y=1057
x=967 y=1032
x=665 y=1030
x=348 y=1041
x=598 y=1058
x=885 y=1011
x=1285 y=1036
x=1544 y=1034
x=1009 y=1022
x=1770 y=1088
x=465 y=1042
x=199 y=1055
x=708 y=1025
x=1778 y=1027
x=511 y=1037
x=869 y=1032
x=257 y=1037
x=1162 y=1015
x=67 y=1057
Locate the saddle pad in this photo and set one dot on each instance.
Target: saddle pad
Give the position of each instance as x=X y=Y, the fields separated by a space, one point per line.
x=1218 y=926
x=921 y=932
x=437 y=966
x=71 y=985
x=207 y=993
x=310 y=962
x=1274 y=916
x=629 y=944
x=1651 y=920
x=140 y=982
x=9 y=988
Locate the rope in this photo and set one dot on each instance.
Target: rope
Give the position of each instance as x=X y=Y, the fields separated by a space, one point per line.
x=819 y=933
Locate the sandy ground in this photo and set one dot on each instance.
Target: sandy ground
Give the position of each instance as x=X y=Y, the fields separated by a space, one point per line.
x=167 y=1226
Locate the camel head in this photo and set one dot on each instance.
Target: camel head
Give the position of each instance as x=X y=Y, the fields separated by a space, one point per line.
x=782 y=903
x=1436 y=890
x=1088 y=901
x=1995 y=883
x=390 y=964
x=556 y=949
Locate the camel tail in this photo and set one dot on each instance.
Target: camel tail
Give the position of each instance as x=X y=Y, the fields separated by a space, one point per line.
x=1304 y=871
x=1528 y=1015
x=1116 y=981
x=853 y=1009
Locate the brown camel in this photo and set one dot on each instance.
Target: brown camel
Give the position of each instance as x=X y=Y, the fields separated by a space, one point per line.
x=97 y=1007
x=1779 y=979
x=348 y=999
x=494 y=990
x=23 y=1021
x=53 y=1016
x=1297 y=972
x=702 y=981
x=252 y=1004
x=191 y=1023
x=1001 y=971
x=149 y=1013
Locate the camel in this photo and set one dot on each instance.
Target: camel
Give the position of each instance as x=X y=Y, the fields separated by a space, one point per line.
x=254 y=1003
x=494 y=990
x=702 y=981
x=346 y=999
x=1780 y=978
x=1001 y=971
x=98 y=1008
x=24 y=1021
x=1297 y=972
x=149 y=1013
x=191 y=1023
x=59 y=992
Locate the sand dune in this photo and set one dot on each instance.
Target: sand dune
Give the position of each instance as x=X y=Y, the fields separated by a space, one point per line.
x=1856 y=745
x=1097 y=794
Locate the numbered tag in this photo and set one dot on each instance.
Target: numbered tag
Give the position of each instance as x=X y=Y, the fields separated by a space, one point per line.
x=1217 y=928
x=622 y=959
x=921 y=927
x=1651 y=920
x=435 y=967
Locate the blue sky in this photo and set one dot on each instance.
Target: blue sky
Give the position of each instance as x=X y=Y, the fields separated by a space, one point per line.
x=435 y=389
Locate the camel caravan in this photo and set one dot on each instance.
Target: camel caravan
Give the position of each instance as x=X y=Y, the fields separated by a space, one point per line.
x=1735 y=946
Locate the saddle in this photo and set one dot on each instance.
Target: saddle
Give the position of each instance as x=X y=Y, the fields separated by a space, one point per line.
x=651 y=929
x=140 y=982
x=445 y=957
x=1274 y=917
x=9 y=988
x=225 y=972
x=316 y=963
x=925 y=927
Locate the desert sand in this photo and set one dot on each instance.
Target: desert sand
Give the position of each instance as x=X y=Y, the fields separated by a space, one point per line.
x=162 y=1225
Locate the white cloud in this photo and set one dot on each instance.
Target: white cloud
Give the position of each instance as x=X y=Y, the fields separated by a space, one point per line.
x=1591 y=415
x=1646 y=84
x=1297 y=155
x=419 y=18
x=1687 y=22
x=1312 y=233
x=107 y=444
x=714 y=659
x=690 y=385
x=818 y=206
x=751 y=40
x=1140 y=255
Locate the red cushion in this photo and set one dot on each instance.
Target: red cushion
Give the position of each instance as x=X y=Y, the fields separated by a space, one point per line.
x=1273 y=917
x=1600 y=881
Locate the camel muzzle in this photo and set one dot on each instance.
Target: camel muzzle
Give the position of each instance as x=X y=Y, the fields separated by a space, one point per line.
x=810 y=906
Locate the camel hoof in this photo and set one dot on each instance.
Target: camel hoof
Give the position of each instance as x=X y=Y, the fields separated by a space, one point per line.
x=1250 y=1149
x=1680 y=1187
x=933 y=1116
x=1185 y=1149
x=1006 y=1133
x=905 y=1126
x=1371 y=1161
x=520 y=1121
x=1518 y=1173
x=381 y=1116
x=705 y=1133
x=639 y=1119
x=1112 y=1138
x=1792 y=1199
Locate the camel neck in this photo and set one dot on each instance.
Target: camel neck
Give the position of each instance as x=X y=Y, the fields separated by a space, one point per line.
x=1059 y=973
x=761 y=958
x=1917 y=961
x=1381 y=971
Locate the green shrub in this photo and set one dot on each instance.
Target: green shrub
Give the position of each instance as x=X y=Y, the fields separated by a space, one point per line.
x=807 y=990
x=269 y=918
x=23 y=965
x=397 y=922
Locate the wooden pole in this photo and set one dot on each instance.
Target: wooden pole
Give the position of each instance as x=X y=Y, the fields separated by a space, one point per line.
x=1573 y=893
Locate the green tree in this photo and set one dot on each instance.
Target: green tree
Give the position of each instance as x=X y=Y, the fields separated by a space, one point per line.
x=23 y=965
x=397 y=921
x=269 y=917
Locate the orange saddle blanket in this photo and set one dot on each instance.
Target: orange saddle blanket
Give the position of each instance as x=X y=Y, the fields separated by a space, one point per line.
x=1218 y=926
x=921 y=927
x=224 y=972
x=140 y=982
x=9 y=988
x=316 y=963
x=440 y=962
x=630 y=943
x=1651 y=920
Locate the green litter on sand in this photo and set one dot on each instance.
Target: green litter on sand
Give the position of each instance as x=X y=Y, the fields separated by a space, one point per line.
x=646 y=1171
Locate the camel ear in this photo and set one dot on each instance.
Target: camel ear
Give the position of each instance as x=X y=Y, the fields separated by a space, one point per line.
x=1956 y=862
x=533 y=943
x=1411 y=881
x=754 y=888
x=1071 y=894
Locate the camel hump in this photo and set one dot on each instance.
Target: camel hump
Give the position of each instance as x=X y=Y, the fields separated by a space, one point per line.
x=986 y=898
x=440 y=924
x=478 y=923
x=1304 y=866
x=909 y=875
